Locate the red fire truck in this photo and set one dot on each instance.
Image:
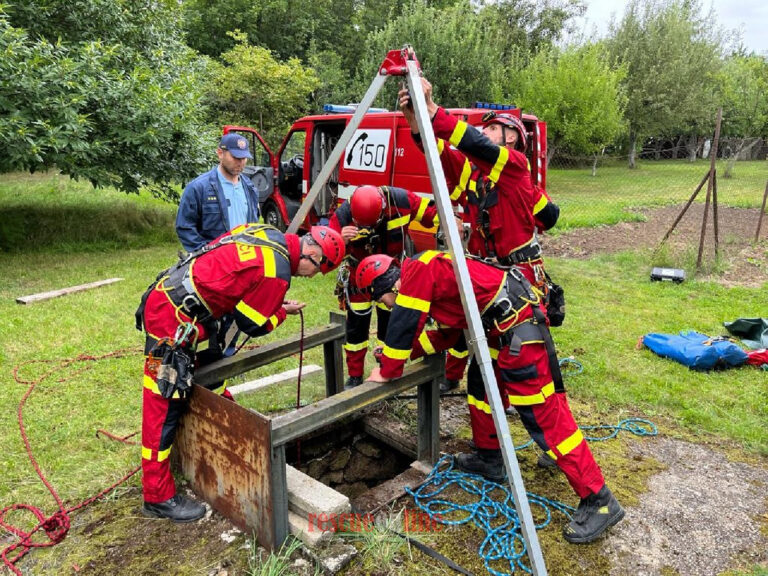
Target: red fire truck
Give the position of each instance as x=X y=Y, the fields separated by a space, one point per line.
x=381 y=152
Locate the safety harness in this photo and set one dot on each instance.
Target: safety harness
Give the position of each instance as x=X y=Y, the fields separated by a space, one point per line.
x=515 y=295
x=176 y=281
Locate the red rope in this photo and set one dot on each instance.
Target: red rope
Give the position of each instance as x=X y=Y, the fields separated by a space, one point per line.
x=57 y=525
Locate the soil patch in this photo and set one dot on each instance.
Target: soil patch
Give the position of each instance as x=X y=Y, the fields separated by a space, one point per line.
x=745 y=262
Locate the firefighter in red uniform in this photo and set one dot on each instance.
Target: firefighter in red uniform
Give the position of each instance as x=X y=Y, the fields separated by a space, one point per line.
x=489 y=176
x=373 y=221
x=525 y=364
x=246 y=273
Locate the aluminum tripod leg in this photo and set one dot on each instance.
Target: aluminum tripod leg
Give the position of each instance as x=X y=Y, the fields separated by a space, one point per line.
x=478 y=340
x=338 y=150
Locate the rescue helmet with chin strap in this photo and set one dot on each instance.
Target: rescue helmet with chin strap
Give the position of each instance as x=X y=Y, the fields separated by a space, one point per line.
x=367 y=205
x=332 y=245
x=508 y=121
x=377 y=275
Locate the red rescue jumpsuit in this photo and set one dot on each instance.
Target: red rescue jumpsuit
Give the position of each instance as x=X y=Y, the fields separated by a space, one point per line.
x=428 y=287
x=243 y=280
x=403 y=207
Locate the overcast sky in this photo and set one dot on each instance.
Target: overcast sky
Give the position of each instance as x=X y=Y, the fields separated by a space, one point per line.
x=751 y=16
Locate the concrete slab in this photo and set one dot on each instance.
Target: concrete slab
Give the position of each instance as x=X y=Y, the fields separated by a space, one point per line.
x=310 y=534
x=308 y=496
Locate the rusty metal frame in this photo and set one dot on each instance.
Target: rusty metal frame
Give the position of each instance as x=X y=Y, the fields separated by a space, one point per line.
x=234 y=457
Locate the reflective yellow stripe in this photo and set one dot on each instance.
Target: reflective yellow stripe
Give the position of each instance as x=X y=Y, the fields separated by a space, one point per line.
x=570 y=443
x=466 y=172
x=428 y=255
x=399 y=222
x=501 y=161
x=425 y=343
x=360 y=305
x=251 y=313
x=146 y=454
x=456 y=193
x=473 y=185
x=422 y=208
x=396 y=353
x=458 y=354
x=440 y=146
x=540 y=204
x=551 y=454
x=458 y=133
x=382 y=306
x=494 y=353
x=349 y=347
x=532 y=399
x=221 y=388
x=479 y=404
x=270 y=269
x=274 y=320
x=413 y=303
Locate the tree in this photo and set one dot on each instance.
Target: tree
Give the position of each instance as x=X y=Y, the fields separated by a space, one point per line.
x=744 y=82
x=100 y=89
x=577 y=93
x=671 y=56
x=251 y=87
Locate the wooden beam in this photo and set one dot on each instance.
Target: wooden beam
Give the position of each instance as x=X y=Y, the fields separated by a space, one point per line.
x=240 y=363
x=64 y=291
x=301 y=422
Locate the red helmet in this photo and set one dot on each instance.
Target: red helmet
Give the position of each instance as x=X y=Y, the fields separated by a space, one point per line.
x=332 y=245
x=509 y=121
x=377 y=274
x=367 y=204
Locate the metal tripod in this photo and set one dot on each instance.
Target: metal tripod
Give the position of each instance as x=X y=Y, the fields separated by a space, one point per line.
x=402 y=63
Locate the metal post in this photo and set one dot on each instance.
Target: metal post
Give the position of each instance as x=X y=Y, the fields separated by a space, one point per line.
x=335 y=156
x=478 y=340
x=762 y=209
x=713 y=158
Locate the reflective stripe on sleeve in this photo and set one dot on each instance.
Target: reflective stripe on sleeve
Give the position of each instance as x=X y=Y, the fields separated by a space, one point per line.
x=501 y=161
x=251 y=313
x=458 y=133
x=399 y=222
x=412 y=302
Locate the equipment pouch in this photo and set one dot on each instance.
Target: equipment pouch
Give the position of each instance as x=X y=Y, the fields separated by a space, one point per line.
x=555 y=303
x=176 y=369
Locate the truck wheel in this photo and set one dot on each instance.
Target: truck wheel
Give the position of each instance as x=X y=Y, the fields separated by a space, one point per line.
x=273 y=217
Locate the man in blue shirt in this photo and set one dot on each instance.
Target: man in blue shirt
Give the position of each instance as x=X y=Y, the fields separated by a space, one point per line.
x=220 y=199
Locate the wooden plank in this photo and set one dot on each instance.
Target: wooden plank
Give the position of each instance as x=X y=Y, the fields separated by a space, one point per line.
x=224 y=450
x=259 y=383
x=429 y=421
x=240 y=363
x=294 y=425
x=64 y=291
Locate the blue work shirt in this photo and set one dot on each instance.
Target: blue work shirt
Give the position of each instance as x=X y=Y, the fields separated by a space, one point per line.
x=236 y=202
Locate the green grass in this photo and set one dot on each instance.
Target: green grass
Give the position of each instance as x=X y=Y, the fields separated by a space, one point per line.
x=616 y=192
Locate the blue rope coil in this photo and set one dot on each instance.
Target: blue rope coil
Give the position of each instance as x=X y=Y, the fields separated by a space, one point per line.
x=497 y=517
x=570 y=366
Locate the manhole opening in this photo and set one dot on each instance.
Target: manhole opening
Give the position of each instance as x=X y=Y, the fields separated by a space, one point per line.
x=347 y=459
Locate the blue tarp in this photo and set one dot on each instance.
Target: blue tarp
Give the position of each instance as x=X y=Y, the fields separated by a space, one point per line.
x=695 y=350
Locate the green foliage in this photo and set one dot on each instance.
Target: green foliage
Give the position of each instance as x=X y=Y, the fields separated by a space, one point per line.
x=252 y=88
x=671 y=54
x=453 y=48
x=577 y=93
x=745 y=96
x=106 y=110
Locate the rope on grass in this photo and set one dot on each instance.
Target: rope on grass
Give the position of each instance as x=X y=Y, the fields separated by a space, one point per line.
x=495 y=516
x=570 y=366
x=55 y=526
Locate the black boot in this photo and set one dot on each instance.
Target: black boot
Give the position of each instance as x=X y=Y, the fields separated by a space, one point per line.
x=487 y=463
x=178 y=509
x=448 y=385
x=353 y=382
x=595 y=514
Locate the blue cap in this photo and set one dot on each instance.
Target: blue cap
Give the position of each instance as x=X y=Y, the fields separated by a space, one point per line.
x=236 y=145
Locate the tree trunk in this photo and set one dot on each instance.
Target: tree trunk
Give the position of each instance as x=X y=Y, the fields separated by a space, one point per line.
x=550 y=154
x=657 y=150
x=740 y=147
x=676 y=148
x=632 y=149
x=692 y=147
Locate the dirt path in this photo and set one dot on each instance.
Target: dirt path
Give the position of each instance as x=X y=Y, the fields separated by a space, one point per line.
x=747 y=263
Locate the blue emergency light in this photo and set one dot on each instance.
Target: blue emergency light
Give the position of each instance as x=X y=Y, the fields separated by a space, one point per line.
x=493 y=106
x=348 y=109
